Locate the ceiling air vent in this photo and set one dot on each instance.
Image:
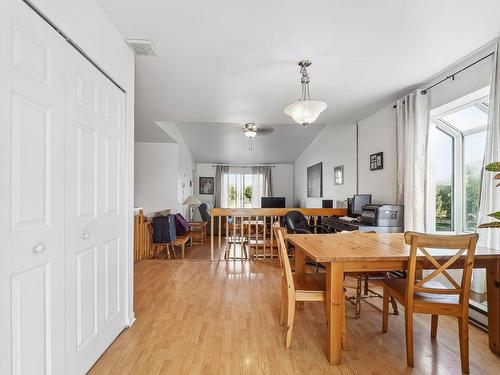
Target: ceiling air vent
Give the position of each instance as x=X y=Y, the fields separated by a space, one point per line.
x=142 y=47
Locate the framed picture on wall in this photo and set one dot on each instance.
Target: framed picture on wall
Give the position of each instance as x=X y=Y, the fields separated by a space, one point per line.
x=338 y=175
x=315 y=181
x=207 y=185
x=377 y=161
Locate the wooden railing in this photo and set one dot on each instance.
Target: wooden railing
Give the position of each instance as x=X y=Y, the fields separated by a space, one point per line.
x=142 y=242
x=251 y=227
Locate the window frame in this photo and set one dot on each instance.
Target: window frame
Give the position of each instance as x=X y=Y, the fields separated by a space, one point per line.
x=476 y=99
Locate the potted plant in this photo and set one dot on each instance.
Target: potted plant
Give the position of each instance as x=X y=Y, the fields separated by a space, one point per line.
x=493 y=167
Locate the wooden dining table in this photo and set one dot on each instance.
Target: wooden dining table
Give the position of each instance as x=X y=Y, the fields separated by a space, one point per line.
x=342 y=253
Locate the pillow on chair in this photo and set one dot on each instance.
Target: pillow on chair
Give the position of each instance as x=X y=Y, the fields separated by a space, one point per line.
x=181 y=225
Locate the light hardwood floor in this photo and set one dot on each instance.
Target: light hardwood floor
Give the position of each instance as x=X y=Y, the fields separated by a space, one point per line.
x=198 y=317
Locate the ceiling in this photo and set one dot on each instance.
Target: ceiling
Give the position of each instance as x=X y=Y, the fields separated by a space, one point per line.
x=225 y=143
x=226 y=62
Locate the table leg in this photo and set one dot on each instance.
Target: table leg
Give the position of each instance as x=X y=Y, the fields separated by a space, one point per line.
x=300 y=269
x=334 y=306
x=493 y=295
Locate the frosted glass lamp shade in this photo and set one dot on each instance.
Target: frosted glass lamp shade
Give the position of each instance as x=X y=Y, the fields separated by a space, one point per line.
x=305 y=111
x=192 y=201
x=250 y=133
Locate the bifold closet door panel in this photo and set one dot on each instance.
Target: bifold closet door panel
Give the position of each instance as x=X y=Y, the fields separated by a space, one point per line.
x=95 y=214
x=32 y=110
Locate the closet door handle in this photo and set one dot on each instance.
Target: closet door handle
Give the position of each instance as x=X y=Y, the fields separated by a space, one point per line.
x=86 y=235
x=38 y=248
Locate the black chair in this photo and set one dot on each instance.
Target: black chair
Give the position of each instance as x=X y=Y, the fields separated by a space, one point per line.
x=296 y=222
x=164 y=234
x=204 y=210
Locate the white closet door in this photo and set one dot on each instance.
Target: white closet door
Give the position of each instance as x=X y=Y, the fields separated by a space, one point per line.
x=32 y=109
x=95 y=214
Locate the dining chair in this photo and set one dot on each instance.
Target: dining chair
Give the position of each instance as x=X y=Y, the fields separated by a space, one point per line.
x=308 y=287
x=365 y=292
x=428 y=296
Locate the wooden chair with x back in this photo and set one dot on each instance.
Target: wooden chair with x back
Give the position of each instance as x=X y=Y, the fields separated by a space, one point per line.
x=428 y=296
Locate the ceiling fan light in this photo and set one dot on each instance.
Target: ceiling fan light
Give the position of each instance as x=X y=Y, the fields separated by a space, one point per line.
x=250 y=133
x=305 y=111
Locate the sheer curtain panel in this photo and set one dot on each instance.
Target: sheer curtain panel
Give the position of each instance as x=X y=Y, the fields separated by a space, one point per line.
x=261 y=184
x=412 y=131
x=490 y=194
x=220 y=188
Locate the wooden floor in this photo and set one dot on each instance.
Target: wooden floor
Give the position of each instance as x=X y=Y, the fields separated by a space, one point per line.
x=198 y=317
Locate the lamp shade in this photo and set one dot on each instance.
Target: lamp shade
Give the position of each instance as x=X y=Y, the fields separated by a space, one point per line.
x=192 y=201
x=305 y=111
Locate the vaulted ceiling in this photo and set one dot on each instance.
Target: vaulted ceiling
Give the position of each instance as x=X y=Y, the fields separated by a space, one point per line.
x=223 y=63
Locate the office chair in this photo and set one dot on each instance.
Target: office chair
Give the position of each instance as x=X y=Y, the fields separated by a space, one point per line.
x=296 y=222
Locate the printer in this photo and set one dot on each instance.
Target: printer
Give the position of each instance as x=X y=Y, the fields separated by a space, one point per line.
x=383 y=215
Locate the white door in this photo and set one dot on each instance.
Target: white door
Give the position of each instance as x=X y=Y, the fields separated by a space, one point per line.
x=95 y=214
x=32 y=110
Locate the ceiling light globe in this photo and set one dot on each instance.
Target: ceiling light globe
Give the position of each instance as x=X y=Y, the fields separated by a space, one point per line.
x=250 y=133
x=305 y=111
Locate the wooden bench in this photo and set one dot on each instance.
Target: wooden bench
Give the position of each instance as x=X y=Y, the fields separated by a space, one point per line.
x=182 y=240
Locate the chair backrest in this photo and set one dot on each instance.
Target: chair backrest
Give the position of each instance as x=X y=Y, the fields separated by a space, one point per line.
x=286 y=268
x=204 y=209
x=181 y=225
x=276 y=229
x=461 y=243
x=296 y=220
x=164 y=229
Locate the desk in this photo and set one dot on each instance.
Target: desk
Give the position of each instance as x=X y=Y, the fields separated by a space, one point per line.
x=381 y=252
x=337 y=225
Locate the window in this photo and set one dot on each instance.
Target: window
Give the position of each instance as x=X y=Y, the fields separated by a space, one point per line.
x=239 y=190
x=457 y=140
x=442 y=167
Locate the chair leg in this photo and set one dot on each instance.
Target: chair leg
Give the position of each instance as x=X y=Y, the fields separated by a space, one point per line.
x=385 y=309
x=358 y=297
x=463 y=334
x=409 y=337
x=434 y=326
x=283 y=306
x=183 y=249
x=366 y=290
x=290 y=318
x=168 y=251
x=394 y=304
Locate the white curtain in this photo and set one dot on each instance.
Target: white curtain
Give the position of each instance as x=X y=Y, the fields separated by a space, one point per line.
x=412 y=133
x=221 y=186
x=261 y=184
x=490 y=195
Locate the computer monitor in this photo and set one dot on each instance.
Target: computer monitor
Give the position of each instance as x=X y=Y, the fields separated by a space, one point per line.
x=272 y=202
x=358 y=201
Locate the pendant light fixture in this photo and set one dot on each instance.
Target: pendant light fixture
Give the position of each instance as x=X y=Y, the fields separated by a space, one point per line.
x=305 y=111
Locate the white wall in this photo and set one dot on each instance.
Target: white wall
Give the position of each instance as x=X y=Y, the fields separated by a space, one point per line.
x=88 y=26
x=334 y=146
x=156 y=176
x=377 y=133
x=282 y=176
x=164 y=173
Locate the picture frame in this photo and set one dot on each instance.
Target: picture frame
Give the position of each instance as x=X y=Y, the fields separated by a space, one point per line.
x=206 y=186
x=315 y=181
x=338 y=175
x=376 y=161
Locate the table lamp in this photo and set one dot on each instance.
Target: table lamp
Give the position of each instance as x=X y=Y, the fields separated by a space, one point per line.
x=191 y=201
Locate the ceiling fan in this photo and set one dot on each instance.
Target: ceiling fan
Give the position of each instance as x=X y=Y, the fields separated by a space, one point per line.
x=250 y=130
